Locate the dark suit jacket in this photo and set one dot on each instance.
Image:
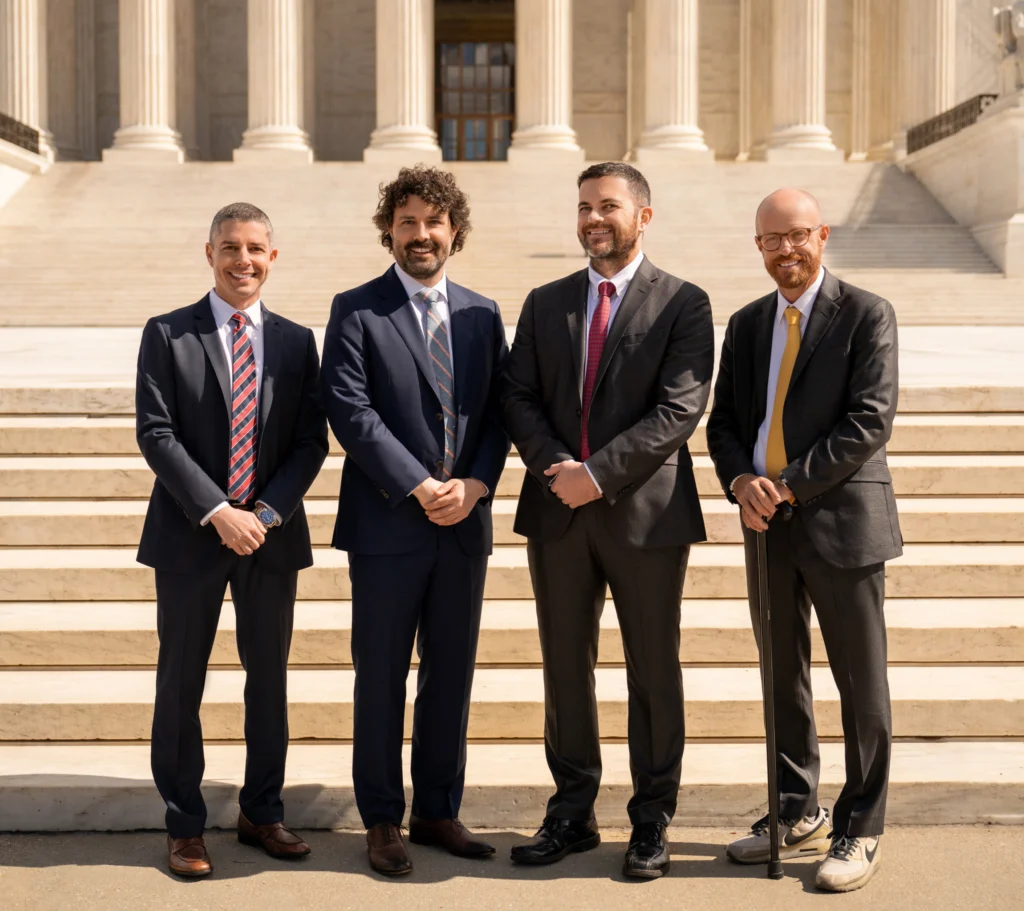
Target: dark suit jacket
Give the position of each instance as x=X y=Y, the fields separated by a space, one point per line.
x=183 y=425
x=652 y=387
x=837 y=420
x=383 y=406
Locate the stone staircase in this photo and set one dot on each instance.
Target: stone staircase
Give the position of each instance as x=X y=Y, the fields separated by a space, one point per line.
x=94 y=245
x=78 y=642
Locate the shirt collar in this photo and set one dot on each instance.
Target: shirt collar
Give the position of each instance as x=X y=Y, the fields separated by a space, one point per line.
x=223 y=311
x=805 y=302
x=413 y=285
x=620 y=279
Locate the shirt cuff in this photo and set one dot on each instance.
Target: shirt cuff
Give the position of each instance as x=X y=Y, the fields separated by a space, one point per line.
x=592 y=478
x=732 y=486
x=216 y=509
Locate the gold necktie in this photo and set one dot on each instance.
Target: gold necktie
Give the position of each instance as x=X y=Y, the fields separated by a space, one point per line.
x=776 y=459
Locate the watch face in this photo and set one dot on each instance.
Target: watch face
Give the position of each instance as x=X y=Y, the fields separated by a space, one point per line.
x=265 y=516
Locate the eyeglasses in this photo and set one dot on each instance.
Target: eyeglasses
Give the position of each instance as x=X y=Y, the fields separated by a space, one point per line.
x=797 y=237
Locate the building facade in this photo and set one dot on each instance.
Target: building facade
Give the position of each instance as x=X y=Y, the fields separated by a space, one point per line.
x=349 y=80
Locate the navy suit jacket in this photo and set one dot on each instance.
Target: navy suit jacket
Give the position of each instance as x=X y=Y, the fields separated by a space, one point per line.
x=383 y=406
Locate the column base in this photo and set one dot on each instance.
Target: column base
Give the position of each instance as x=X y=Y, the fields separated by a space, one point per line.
x=673 y=142
x=403 y=145
x=146 y=145
x=556 y=143
x=274 y=144
x=802 y=142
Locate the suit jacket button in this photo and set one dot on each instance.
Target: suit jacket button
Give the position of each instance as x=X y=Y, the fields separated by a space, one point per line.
x=439 y=416
x=579 y=412
x=439 y=464
x=385 y=494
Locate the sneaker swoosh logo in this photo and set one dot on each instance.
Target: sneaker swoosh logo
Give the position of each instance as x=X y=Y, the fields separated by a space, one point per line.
x=870 y=855
x=791 y=840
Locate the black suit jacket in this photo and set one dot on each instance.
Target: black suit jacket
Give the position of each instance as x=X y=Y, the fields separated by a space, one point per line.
x=183 y=425
x=383 y=406
x=837 y=419
x=652 y=387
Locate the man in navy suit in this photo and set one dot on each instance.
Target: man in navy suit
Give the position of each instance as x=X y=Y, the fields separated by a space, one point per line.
x=410 y=379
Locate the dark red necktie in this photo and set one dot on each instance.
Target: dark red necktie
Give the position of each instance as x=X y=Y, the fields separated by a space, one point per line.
x=595 y=346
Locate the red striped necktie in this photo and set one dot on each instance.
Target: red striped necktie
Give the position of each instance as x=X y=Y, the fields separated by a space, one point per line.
x=244 y=414
x=595 y=347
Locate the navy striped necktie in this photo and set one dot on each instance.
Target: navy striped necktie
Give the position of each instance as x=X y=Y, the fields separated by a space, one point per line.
x=244 y=414
x=439 y=349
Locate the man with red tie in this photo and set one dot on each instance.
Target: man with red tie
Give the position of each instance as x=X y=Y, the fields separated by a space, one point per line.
x=228 y=416
x=607 y=379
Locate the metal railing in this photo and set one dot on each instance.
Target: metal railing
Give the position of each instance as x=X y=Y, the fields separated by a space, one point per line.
x=15 y=132
x=947 y=123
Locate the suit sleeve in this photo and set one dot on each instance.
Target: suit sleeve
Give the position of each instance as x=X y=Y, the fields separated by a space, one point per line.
x=156 y=429
x=872 y=393
x=525 y=417
x=296 y=474
x=731 y=456
x=355 y=423
x=679 y=402
x=494 y=442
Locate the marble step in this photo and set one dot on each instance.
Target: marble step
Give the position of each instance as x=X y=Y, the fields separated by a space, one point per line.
x=715 y=571
x=924 y=433
x=129 y=477
x=99 y=787
x=123 y=634
x=977 y=701
x=118 y=523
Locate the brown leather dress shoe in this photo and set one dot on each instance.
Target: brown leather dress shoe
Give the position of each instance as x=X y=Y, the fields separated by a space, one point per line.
x=386 y=849
x=188 y=857
x=274 y=838
x=449 y=834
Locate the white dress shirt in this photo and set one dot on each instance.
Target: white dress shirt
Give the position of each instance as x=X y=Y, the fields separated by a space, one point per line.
x=412 y=287
x=621 y=280
x=419 y=306
x=804 y=303
x=222 y=313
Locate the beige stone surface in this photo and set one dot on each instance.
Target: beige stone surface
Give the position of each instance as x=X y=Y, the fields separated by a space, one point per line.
x=507 y=704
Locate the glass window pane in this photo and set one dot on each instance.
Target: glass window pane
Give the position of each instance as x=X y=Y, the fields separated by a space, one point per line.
x=450 y=104
x=481 y=55
x=449 y=140
x=452 y=73
x=510 y=54
x=497 y=54
x=468 y=77
x=468 y=54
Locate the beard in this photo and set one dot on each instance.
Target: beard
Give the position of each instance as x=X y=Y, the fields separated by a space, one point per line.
x=617 y=247
x=805 y=271
x=421 y=267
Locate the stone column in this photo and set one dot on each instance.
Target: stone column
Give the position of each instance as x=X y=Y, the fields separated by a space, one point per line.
x=671 y=66
x=798 y=83
x=544 y=82
x=23 y=61
x=405 y=85
x=860 y=113
x=62 y=44
x=85 y=94
x=277 y=104
x=927 y=64
x=185 y=83
x=146 y=49
x=745 y=125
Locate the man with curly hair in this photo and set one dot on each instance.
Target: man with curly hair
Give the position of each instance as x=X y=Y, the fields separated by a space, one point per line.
x=410 y=379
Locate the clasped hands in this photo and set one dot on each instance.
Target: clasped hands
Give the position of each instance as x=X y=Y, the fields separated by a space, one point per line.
x=239 y=529
x=759 y=498
x=572 y=483
x=449 y=502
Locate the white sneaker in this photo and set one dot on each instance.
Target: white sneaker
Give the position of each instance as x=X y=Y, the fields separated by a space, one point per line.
x=811 y=835
x=851 y=862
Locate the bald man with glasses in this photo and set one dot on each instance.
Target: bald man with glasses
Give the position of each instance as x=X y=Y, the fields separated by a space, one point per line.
x=804 y=404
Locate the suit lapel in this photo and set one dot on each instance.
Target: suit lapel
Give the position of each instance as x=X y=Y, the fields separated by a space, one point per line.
x=206 y=326
x=271 y=361
x=637 y=294
x=460 y=319
x=576 y=319
x=400 y=313
x=765 y=328
x=823 y=312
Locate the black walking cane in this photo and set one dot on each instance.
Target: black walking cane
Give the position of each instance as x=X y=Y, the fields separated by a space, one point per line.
x=768 y=695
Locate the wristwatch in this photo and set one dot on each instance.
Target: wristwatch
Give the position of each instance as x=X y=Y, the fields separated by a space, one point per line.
x=265 y=514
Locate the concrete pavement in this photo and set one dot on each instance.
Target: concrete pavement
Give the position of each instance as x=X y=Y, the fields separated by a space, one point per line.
x=975 y=868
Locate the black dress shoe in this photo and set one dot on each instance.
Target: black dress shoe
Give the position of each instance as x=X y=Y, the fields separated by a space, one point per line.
x=647 y=854
x=556 y=838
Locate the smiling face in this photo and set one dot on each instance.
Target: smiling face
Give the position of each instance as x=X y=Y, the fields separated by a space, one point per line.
x=609 y=223
x=422 y=238
x=241 y=255
x=792 y=267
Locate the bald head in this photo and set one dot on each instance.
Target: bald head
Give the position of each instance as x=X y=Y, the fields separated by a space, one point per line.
x=790 y=205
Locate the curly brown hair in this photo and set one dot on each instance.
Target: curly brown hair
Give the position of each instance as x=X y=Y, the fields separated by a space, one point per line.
x=433 y=186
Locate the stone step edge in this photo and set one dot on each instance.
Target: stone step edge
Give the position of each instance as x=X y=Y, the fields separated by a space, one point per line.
x=55 y=788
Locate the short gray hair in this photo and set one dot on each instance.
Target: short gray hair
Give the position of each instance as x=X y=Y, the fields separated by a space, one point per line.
x=241 y=211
